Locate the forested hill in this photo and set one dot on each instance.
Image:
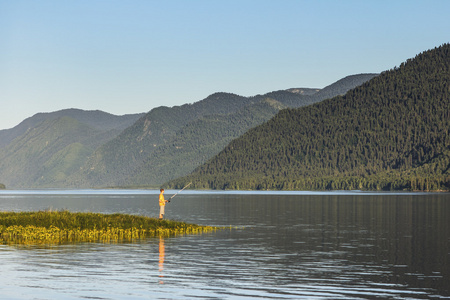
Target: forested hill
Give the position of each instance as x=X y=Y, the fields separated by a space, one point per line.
x=198 y=141
x=168 y=143
x=117 y=159
x=45 y=154
x=392 y=132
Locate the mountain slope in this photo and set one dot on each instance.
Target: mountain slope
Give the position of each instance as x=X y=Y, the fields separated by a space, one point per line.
x=199 y=140
x=149 y=153
x=117 y=159
x=96 y=119
x=341 y=86
x=76 y=148
x=303 y=91
x=392 y=132
x=55 y=146
x=25 y=162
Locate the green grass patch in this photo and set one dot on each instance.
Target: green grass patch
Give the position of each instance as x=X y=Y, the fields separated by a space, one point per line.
x=53 y=227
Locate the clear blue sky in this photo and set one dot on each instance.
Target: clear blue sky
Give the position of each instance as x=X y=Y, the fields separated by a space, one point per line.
x=131 y=56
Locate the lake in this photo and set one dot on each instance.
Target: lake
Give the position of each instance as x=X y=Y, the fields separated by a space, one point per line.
x=282 y=245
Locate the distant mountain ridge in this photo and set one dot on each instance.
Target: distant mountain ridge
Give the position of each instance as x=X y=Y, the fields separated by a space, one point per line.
x=303 y=91
x=341 y=87
x=84 y=149
x=197 y=141
x=97 y=119
x=390 y=133
x=136 y=158
x=44 y=149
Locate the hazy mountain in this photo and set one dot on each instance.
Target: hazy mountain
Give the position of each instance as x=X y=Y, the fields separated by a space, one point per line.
x=341 y=86
x=117 y=159
x=171 y=142
x=197 y=141
x=42 y=150
x=392 y=132
x=75 y=148
x=96 y=119
x=303 y=91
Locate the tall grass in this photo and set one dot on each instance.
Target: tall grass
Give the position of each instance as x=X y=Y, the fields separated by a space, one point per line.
x=65 y=226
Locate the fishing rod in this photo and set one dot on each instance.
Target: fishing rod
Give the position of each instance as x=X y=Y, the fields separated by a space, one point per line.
x=180 y=190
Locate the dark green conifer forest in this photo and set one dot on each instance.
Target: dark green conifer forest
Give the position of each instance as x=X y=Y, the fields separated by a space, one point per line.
x=391 y=133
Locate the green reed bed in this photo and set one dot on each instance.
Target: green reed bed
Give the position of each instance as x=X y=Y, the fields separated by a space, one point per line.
x=65 y=226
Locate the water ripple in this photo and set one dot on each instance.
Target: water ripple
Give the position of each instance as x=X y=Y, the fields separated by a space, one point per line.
x=314 y=248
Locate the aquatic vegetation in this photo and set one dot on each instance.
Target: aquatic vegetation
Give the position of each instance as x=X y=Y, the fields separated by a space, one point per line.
x=52 y=227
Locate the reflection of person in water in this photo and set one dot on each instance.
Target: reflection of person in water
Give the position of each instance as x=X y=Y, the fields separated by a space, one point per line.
x=161 y=258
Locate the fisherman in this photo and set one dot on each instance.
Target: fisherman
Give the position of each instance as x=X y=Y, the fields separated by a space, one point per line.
x=162 y=204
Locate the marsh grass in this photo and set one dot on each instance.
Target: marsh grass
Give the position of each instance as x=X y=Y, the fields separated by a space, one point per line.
x=64 y=226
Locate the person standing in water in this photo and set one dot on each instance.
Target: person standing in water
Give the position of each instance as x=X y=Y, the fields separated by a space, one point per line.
x=162 y=204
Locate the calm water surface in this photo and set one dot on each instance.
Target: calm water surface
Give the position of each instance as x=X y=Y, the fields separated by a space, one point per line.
x=286 y=246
